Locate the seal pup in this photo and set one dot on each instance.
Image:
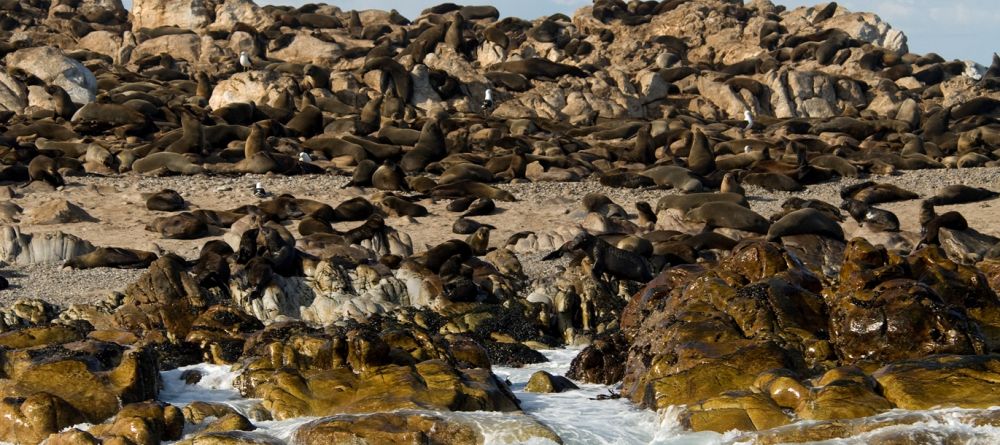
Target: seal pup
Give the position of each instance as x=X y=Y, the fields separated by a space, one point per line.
x=43 y=168
x=166 y=200
x=877 y=220
x=64 y=106
x=621 y=264
x=646 y=215
x=389 y=177
x=479 y=241
x=480 y=207
x=466 y=226
x=731 y=185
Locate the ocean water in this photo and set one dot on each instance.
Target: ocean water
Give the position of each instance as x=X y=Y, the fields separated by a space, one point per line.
x=578 y=418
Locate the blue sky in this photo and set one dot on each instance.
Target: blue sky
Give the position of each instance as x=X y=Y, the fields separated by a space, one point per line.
x=955 y=29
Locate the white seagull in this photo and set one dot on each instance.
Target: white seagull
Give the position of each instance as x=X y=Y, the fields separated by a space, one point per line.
x=304 y=157
x=245 y=61
x=259 y=191
x=749 y=118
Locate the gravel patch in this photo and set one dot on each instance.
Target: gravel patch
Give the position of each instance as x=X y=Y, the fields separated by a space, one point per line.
x=51 y=283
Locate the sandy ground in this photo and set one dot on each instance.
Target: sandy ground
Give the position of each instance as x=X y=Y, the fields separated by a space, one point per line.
x=118 y=205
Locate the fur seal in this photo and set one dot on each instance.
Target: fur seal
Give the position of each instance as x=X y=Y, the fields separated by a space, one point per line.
x=479 y=241
x=646 y=215
x=204 y=88
x=619 y=263
x=731 y=185
x=701 y=160
x=601 y=204
x=480 y=207
x=43 y=168
x=166 y=200
x=192 y=138
x=795 y=203
x=64 y=106
x=393 y=205
x=934 y=223
x=354 y=209
x=460 y=204
x=685 y=203
x=728 y=215
x=877 y=220
x=255 y=142
x=429 y=148
x=389 y=177
x=676 y=177
x=310 y=225
x=179 y=226
x=805 y=222
x=363 y=173
x=466 y=226
x=470 y=188
x=115 y=257
x=961 y=194
x=873 y=193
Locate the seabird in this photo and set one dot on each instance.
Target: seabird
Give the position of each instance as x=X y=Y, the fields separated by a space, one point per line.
x=749 y=118
x=259 y=191
x=245 y=61
x=304 y=157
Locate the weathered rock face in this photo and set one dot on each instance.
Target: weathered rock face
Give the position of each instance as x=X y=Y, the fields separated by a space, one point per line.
x=51 y=66
x=945 y=380
x=360 y=371
x=85 y=380
x=756 y=321
x=185 y=14
x=24 y=248
x=13 y=94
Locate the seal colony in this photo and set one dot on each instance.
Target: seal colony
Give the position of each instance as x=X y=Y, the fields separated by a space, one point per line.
x=344 y=300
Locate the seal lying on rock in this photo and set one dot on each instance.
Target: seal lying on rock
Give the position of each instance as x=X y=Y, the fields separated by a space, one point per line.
x=619 y=263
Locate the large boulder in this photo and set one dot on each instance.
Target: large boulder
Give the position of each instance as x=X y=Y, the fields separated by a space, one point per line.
x=184 y=14
x=13 y=94
x=52 y=66
x=180 y=46
x=260 y=87
x=230 y=12
x=305 y=48
x=57 y=211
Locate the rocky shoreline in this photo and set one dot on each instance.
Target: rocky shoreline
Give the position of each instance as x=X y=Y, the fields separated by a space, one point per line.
x=771 y=225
